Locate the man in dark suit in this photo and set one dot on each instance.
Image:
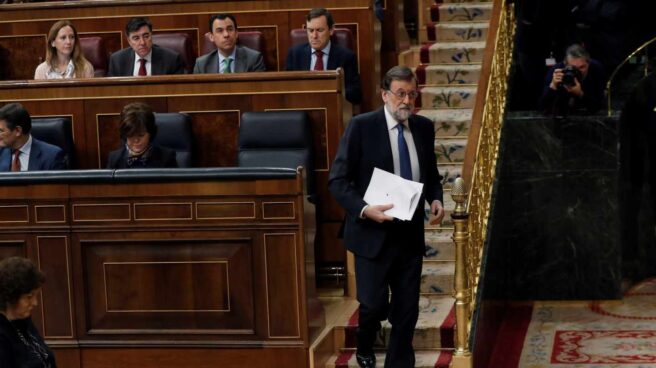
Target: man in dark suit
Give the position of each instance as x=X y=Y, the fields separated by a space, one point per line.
x=388 y=252
x=142 y=57
x=320 y=26
x=19 y=151
x=228 y=56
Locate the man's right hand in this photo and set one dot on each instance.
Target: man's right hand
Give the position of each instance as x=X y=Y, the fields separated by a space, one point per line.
x=377 y=213
x=557 y=79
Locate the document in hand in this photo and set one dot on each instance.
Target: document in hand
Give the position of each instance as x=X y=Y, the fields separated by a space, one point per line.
x=386 y=188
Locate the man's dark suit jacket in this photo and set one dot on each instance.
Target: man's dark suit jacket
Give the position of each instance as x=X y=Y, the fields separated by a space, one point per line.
x=246 y=60
x=164 y=61
x=299 y=58
x=43 y=156
x=160 y=157
x=364 y=146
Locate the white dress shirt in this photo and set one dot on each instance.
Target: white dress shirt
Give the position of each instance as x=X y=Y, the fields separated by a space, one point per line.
x=137 y=63
x=326 y=51
x=232 y=56
x=24 y=157
x=394 y=143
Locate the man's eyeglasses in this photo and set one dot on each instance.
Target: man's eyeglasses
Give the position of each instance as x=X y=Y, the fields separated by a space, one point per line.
x=403 y=94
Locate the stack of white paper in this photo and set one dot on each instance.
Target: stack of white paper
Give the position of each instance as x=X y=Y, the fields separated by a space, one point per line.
x=386 y=188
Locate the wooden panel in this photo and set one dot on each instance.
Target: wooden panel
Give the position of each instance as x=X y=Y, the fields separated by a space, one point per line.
x=14 y=213
x=216 y=137
x=281 y=284
x=295 y=357
x=225 y=210
x=174 y=286
x=101 y=212
x=20 y=55
x=270 y=54
x=162 y=211
x=278 y=210
x=46 y=214
x=12 y=247
x=53 y=256
x=124 y=296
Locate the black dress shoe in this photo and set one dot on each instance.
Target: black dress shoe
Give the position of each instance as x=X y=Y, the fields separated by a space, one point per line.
x=366 y=361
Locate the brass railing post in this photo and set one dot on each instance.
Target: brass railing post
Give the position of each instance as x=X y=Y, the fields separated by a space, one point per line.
x=462 y=356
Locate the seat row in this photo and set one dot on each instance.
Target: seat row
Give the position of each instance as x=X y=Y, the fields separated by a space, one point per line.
x=94 y=50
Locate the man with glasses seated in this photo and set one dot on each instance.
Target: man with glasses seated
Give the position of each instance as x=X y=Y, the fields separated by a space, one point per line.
x=143 y=58
x=388 y=252
x=19 y=151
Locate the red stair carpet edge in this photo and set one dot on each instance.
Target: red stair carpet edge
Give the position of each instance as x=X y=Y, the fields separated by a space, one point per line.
x=510 y=340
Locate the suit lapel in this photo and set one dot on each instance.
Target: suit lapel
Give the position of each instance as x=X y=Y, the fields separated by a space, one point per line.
x=156 y=63
x=35 y=154
x=129 y=66
x=416 y=137
x=382 y=136
x=240 y=60
x=333 y=56
x=212 y=65
x=306 y=59
x=5 y=160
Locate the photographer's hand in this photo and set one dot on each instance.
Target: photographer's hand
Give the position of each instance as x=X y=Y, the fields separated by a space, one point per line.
x=556 y=79
x=576 y=89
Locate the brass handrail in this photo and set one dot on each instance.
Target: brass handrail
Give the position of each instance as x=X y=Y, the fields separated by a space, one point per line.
x=479 y=170
x=626 y=60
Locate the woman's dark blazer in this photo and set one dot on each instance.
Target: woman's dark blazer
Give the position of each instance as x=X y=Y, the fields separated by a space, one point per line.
x=160 y=157
x=13 y=353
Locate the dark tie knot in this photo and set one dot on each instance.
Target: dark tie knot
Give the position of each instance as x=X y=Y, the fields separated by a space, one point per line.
x=319 y=53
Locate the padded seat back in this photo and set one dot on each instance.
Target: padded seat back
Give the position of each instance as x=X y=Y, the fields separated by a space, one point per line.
x=277 y=139
x=252 y=39
x=174 y=132
x=341 y=36
x=56 y=131
x=94 y=50
x=178 y=42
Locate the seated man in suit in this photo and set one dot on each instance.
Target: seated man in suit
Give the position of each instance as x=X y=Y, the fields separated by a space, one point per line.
x=142 y=57
x=228 y=56
x=18 y=150
x=320 y=26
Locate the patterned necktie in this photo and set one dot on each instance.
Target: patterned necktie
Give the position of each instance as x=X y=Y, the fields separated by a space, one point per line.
x=404 y=155
x=318 y=65
x=15 y=163
x=142 y=68
x=227 y=62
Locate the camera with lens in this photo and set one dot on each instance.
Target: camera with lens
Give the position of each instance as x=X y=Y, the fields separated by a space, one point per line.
x=570 y=75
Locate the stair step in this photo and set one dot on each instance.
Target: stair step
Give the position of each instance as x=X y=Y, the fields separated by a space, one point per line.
x=452 y=52
x=439 y=246
x=424 y=359
x=450 y=150
x=454 y=31
x=434 y=330
x=449 y=174
x=448 y=74
x=449 y=122
x=437 y=277
x=458 y=96
x=458 y=12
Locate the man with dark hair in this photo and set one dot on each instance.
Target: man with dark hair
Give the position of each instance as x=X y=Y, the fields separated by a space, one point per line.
x=228 y=56
x=19 y=151
x=320 y=54
x=576 y=83
x=388 y=252
x=143 y=58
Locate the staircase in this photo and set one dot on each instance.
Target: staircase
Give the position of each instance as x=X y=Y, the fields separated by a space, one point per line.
x=447 y=63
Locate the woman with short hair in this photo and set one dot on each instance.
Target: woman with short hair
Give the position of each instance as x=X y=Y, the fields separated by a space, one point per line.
x=21 y=345
x=137 y=131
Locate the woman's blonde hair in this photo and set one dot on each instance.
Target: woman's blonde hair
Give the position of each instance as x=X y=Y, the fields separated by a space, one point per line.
x=79 y=61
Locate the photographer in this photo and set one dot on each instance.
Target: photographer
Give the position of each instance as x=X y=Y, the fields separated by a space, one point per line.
x=575 y=84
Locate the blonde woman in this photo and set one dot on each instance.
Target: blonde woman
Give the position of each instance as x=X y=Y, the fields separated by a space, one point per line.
x=64 y=58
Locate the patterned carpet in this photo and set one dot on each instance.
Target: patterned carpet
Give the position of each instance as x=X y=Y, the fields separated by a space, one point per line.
x=618 y=334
